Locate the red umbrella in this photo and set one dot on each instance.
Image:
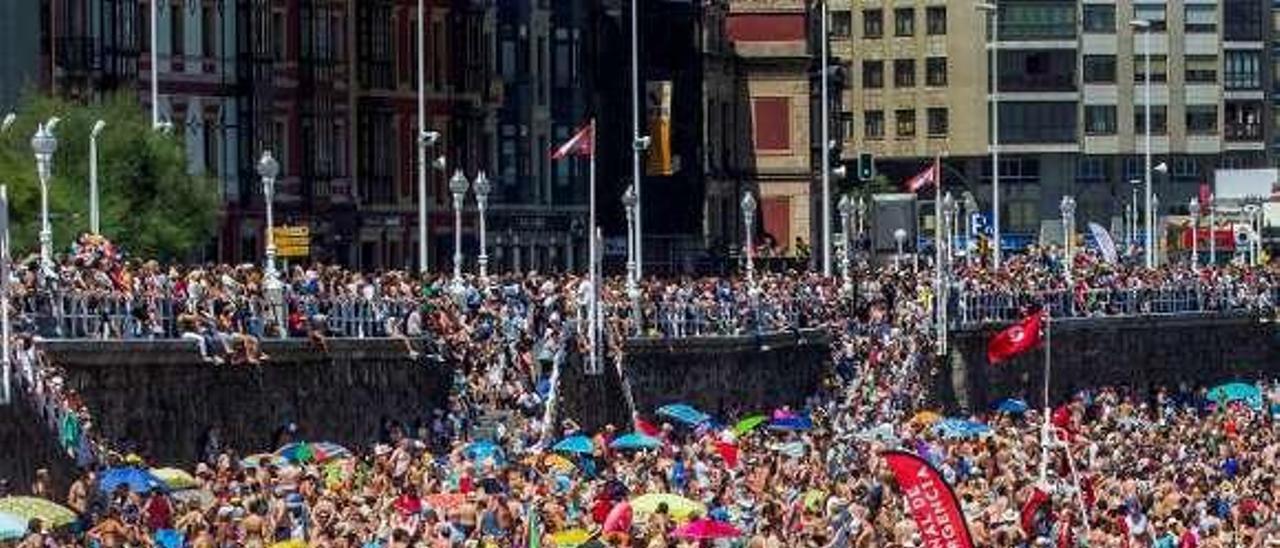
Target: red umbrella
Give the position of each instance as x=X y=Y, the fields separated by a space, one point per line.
x=619 y=519
x=706 y=529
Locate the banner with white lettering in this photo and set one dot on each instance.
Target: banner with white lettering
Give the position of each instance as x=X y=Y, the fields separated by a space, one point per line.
x=1105 y=244
x=933 y=504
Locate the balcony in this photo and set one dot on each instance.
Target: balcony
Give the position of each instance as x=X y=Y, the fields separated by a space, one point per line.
x=1243 y=132
x=1036 y=31
x=1037 y=82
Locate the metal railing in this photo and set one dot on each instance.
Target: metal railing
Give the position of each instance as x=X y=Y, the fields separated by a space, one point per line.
x=968 y=309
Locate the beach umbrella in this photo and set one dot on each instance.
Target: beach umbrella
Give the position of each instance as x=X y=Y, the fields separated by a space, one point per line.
x=482 y=450
x=635 y=441
x=12 y=527
x=677 y=506
x=748 y=424
x=264 y=459
x=169 y=538
x=1236 y=392
x=619 y=519
x=199 y=497
x=444 y=501
x=960 y=428
x=1012 y=406
x=926 y=418
x=882 y=432
x=706 y=529
x=793 y=423
x=684 y=413
x=571 y=538
x=294 y=543
x=305 y=452
x=175 y=478
x=29 y=508
x=136 y=480
x=795 y=449
x=575 y=444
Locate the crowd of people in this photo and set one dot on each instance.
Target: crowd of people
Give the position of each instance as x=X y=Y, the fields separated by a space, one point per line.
x=1172 y=469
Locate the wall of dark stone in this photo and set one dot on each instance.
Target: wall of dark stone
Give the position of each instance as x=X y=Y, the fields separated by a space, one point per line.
x=160 y=398
x=727 y=375
x=1142 y=353
x=27 y=443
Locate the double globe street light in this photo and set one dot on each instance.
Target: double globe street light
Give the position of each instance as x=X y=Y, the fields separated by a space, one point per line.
x=458 y=185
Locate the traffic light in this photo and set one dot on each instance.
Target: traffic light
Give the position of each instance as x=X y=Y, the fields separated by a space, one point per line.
x=866 y=167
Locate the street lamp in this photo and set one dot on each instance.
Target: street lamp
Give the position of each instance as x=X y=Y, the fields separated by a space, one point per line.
x=846 y=207
x=9 y=119
x=1132 y=225
x=458 y=187
x=862 y=220
x=1068 y=209
x=825 y=67
x=1153 y=212
x=268 y=170
x=482 y=188
x=44 y=144
x=94 y=217
x=1213 y=231
x=899 y=236
x=949 y=206
x=1145 y=27
x=633 y=290
x=748 y=219
x=426 y=140
x=1194 y=209
x=1251 y=213
x=970 y=208
x=994 y=70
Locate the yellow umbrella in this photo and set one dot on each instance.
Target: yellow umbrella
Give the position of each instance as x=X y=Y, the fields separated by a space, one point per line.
x=571 y=538
x=677 y=506
x=29 y=508
x=926 y=418
x=176 y=479
x=295 y=543
x=552 y=461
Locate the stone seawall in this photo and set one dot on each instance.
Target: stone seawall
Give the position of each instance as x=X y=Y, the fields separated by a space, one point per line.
x=1139 y=352
x=161 y=398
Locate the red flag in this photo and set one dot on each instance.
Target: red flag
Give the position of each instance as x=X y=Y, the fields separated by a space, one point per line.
x=933 y=504
x=728 y=452
x=581 y=144
x=929 y=176
x=1031 y=510
x=1015 y=340
x=647 y=428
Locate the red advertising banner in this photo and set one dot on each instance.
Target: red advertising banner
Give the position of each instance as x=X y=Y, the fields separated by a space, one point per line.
x=933 y=504
x=1225 y=238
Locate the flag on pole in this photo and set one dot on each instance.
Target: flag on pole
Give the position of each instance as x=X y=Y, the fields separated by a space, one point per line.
x=929 y=176
x=581 y=144
x=535 y=529
x=1015 y=340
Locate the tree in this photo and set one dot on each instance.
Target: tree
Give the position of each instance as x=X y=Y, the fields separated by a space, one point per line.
x=150 y=206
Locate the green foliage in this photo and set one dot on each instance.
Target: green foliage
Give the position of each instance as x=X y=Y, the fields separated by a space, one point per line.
x=150 y=206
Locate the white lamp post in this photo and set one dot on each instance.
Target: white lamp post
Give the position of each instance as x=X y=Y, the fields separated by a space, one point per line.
x=482 y=188
x=1154 y=242
x=458 y=187
x=1213 y=231
x=1251 y=214
x=9 y=119
x=970 y=208
x=994 y=70
x=155 y=66
x=94 y=214
x=633 y=289
x=426 y=139
x=862 y=220
x=748 y=219
x=1194 y=208
x=268 y=170
x=899 y=236
x=825 y=110
x=1145 y=26
x=44 y=144
x=846 y=214
x=1134 y=184
x=1068 y=210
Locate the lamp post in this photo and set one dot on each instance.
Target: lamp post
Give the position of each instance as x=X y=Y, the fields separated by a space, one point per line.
x=1251 y=213
x=826 y=144
x=268 y=170
x=949 y=206
x=970 y=208
x=1213 y=230
x=482 y=188
x=638 y=143
x=44 y=144
x=1194 y=209
x=862 y=221
x=994 y=70
x=899 y=236
x=748 y=219
x=458 y=187
x=1133 y=211
x=426 y=140
x=633 y=290
x=94 y=218
x=1068 y=209
x=155 y=66
x=1145 y=27
x=846 y=214
x=1154 y=242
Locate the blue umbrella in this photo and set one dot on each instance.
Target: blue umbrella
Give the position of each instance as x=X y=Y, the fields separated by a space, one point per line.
x=1236 y=391
x=636 y=440
x=960 y=428
x=575 y=444
x=684 y=413
x=1012 y=406
x=12 y=527
x=169 y=538
x=482 y=450
x=793 y=423
x=136 y=480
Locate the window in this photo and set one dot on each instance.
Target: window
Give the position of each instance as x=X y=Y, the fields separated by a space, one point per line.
x=935 y=18
x=1099 y=69
x=1201 y=18
x=904 y=73
x=1159 y=121
x=1201 y=68
x=935 y=69
x=1202 y=119
x=873 y=125
x=1241 y=70
x=872 y=74
x=1039 y=122
x=177 y=38
x=773 y=123
x=841 y=24
x=1037 y=20
x=1100 y=18
x=277 y=36
x=1155 y=13
x=1157 y=69
x=1185 y=169
x=208 y=32
x=1100 y=120
x=904 y=22
x=872 y=23
x=1242 y=20
x=905 y=120
x=1091 y=169
x=938 y=122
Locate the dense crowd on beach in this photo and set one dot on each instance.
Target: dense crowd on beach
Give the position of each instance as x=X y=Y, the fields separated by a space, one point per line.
x=1174 y=468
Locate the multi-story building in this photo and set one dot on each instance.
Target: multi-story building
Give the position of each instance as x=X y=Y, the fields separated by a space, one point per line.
x=1072 y=95
x=20 y=40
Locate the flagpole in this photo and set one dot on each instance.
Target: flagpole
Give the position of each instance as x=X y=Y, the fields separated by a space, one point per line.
x=937 y=259
x=591 y=237
x=1044 y=429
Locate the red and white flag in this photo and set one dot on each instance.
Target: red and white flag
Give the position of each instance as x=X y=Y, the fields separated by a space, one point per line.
x=1015 y=340
x=583 y=143
x=929 y=176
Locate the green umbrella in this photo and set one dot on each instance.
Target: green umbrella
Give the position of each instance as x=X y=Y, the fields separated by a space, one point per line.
x=29 y=508
x=748 y=424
